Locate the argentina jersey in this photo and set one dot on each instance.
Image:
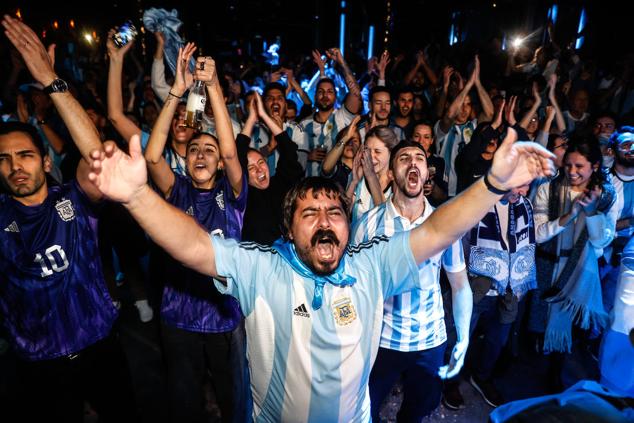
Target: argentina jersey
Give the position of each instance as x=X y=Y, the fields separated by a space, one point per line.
x=53 y=298
x=173 y=159
x=623 y=207
x=317 y=134
x=414 y=320
x=312 y=365
x=449 y=146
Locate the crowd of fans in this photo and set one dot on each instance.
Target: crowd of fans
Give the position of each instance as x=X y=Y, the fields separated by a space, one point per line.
x=546 y=269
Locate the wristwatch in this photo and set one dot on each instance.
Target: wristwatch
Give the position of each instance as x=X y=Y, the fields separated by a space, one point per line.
x=57 y=86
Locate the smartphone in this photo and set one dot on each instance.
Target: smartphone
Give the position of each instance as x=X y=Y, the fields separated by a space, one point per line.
x=125 y=33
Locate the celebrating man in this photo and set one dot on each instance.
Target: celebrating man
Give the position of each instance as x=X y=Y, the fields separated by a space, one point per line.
x=313 y=304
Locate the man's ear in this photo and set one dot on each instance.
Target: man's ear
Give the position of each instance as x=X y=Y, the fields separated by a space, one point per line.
x=48 y=164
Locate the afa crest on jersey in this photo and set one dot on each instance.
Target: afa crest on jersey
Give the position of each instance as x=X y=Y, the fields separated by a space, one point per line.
x=65 y=210
x=220 y=200
x=344 y=311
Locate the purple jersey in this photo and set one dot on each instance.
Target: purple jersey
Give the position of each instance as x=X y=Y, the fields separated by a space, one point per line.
x=190 y=299
x=53 y=297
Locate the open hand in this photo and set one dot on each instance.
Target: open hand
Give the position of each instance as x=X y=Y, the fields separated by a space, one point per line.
x=455 y=362
x=183 y=78
x=118 y=176
x=517 y=163
x=39 y=61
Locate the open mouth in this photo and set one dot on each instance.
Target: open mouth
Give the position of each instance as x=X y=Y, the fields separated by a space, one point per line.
x=413 y=178
x=324 y=242
x=200 y=166
x=275 y=109
x=261 y=178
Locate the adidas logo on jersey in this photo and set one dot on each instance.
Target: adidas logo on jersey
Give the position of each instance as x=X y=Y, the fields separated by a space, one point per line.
x=301 y=311
x=13 y=227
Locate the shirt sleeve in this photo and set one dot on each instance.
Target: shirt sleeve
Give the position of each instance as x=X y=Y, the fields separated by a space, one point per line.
x=453 y=258
x=545 y=230
x=241 y=265
x=392 y=261
x=159 y=85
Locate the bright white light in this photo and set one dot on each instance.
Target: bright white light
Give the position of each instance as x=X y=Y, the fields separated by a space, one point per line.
x=88 y=38
x=517 y=42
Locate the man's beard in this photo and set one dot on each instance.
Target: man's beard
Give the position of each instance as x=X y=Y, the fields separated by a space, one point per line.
x=304 y=254
x=325 y=107
x=23 y=191
x=623 y=160
x=401 y=183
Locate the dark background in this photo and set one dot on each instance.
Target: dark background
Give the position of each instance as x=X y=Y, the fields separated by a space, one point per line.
x=240 y=26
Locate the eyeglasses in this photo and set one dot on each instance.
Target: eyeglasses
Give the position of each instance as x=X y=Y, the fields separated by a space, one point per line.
x=562 y=145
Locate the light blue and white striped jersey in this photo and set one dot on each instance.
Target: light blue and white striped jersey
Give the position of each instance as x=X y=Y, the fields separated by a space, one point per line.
x=449 y=145
x=313 y=365
x=315 y=134
x=414 y=320
x=175 y=161
x=362 y=200
x=624 y=205
x=261 y=136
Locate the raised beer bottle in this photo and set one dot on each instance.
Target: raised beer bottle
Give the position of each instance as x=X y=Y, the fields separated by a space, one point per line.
x=195 y=105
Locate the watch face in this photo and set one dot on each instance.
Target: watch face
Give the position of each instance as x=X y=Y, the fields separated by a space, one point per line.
x=59 y=86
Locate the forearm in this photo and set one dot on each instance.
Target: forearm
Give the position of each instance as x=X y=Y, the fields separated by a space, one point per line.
x=464 y=211
x=462 y=303
x=332 y=158
x=529 y=115
x=353 y=101
x=455 y=106
x=177 y=233
x=247 y=128
x=119 y=120
x=223 y=122
x=487 y=105
x=160 y=87
x=302 y=94
x=160 y=131
x=559 y=116
x=81 y=128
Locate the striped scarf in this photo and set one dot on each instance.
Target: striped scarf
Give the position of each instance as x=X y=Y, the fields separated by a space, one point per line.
x=509 y=265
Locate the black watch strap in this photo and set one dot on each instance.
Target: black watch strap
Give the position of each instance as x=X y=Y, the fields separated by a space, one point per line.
x=491 y=188
x=57 y=86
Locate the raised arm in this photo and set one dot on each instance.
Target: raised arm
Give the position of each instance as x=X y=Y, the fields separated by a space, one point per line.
x=453 y=110
x=161 y=173
x=321 y=63
x=483 y=95
x=353 y=101
x=294 y=85
x=552 y=97
x=123 y=124
x=160 y=87
x=226 y=141
x=514 y=164
x=537 y=101
x=335 y=153
x=40 y=63
x=123 y=178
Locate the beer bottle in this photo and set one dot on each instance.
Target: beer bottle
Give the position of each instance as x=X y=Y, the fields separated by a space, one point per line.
x=195 y=105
